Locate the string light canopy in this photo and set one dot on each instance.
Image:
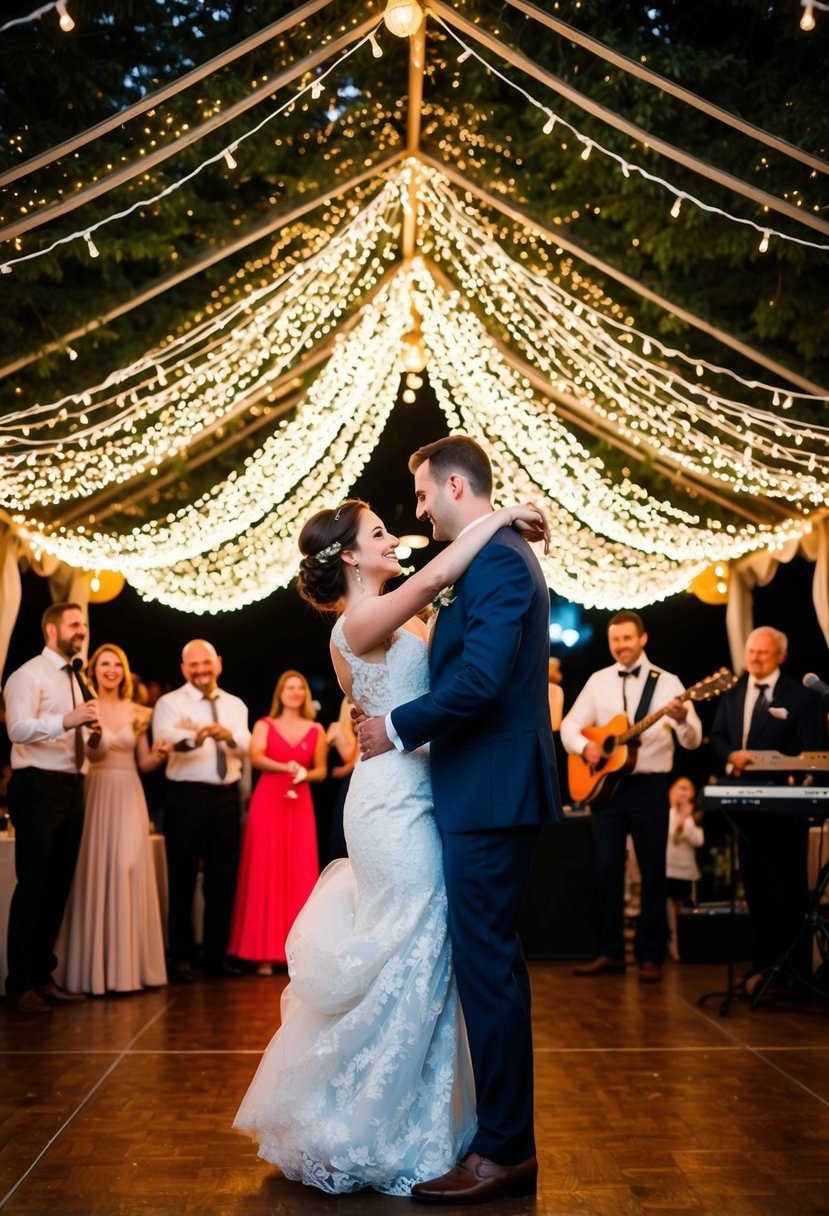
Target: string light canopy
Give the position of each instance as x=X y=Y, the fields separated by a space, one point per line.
x=517 y=357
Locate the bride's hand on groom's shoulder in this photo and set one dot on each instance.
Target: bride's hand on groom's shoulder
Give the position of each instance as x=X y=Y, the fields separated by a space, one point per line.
x=533 y=525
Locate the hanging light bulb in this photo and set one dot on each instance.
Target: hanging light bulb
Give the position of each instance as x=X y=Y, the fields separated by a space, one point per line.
x=464 y=55
x=403 y=17
x=588 y=148
x=229 y=158
x=677 y=206
x=376 y=49
x=90 y=244
x=764 y=244
x=413 y=354
x=317 y=89
x=66 y=23
x=807 y=21
x=550 y=123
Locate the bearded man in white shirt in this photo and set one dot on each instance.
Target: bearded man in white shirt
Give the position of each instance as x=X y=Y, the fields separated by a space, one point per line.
x=46 y=714
x=207 y=729
x=639 y=805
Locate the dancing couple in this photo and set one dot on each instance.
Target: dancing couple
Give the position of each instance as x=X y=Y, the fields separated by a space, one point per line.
x=404 y=1058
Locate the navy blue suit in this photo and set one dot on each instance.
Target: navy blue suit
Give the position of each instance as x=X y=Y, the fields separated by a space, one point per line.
x=773 y=848
x=494 y=783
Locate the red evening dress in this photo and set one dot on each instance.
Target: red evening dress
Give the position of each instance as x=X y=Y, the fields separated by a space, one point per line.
x=279 y=864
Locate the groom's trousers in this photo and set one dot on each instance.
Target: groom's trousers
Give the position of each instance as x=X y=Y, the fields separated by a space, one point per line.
x=487 y=875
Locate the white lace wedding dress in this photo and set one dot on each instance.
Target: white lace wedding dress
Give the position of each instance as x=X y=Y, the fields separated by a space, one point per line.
x=368 y=1081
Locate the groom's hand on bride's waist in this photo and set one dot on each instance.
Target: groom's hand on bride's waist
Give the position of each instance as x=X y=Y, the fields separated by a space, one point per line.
x=372 y=737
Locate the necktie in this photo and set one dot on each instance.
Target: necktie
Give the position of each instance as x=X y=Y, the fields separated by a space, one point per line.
x=79 y=748
x=623 y=675
x=762 y=701
x=221 y=758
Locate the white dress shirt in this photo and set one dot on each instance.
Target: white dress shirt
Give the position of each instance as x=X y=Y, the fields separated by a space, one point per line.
x=752 y=695
x=177 y=718
x=681 y=855
x=37 y=697
x=603 y=697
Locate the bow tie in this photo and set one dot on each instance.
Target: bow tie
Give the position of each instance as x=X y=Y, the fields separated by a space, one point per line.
x=634 y=671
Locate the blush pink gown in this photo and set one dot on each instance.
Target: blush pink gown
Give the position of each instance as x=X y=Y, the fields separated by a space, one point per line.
x=279 y=863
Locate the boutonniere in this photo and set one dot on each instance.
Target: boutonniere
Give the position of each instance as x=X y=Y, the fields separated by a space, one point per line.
x=443 y=598
x=779 y=711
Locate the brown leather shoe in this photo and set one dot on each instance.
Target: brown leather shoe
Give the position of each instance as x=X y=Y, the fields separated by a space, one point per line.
x=601 y=966
x=27 y=1002
x=650 y=973
x=53 y=994
x=476 y=1179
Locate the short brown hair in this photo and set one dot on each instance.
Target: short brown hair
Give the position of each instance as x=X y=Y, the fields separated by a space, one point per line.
x=54 y=614
x=628 y=618
x=456 y=454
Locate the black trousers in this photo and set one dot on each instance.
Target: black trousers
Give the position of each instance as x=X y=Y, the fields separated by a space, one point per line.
x=639 y=808
x=201 y=823
x=47 y=812
x=773 y=851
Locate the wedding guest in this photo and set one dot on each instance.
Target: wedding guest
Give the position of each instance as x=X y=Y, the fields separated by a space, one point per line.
x=342 y=756
x=114 y=938
x=45 y=716
x=555 y=693
x=207 y=729
x=279 y=863
x=685 y=836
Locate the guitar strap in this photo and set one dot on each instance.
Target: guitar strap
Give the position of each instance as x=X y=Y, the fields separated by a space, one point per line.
x=647 y=695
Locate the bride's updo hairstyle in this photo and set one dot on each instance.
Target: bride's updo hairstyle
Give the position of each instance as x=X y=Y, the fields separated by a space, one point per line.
x=321 y=578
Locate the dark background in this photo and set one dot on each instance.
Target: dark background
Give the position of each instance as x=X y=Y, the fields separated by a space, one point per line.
x=258 y=642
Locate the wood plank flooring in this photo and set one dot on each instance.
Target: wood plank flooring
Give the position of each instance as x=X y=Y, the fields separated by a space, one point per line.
x=645 y=1104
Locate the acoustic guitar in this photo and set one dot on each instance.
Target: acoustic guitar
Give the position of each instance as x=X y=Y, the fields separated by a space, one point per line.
x=619 y=741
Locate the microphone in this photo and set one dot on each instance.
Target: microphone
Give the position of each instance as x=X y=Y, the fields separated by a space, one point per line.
x=810 y=680
x=88 y=695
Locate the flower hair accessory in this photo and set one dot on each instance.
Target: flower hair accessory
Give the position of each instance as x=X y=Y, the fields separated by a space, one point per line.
x=328 y=552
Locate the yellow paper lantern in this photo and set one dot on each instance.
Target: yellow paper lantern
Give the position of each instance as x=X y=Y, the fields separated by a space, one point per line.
x=711 y=586
x=104 y=585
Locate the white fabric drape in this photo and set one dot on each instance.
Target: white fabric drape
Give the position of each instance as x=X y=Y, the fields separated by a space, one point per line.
x=758 y=569
x=10 y=588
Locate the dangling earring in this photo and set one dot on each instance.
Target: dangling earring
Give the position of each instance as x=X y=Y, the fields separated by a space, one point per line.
x=358 y=574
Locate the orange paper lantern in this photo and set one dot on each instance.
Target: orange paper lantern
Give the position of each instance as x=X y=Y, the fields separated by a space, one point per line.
x=104 y=585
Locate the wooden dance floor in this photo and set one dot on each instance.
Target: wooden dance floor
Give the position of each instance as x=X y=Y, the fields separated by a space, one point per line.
x=645 y=1104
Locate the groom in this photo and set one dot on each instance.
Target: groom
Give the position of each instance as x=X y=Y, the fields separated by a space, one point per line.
x=487 y=719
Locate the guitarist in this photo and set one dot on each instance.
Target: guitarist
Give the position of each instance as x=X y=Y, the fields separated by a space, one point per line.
x=639 y=805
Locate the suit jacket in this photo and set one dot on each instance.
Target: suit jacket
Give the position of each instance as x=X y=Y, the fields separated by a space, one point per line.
x=486 y=715
x=803 y=730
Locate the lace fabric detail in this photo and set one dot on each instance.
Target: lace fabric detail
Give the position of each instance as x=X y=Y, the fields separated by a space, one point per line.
x=368 y=1081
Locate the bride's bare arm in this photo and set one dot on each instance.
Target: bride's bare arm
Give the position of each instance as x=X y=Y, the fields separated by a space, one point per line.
x=370 y=623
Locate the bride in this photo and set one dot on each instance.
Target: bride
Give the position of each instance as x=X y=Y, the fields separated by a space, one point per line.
x=368 y=1081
